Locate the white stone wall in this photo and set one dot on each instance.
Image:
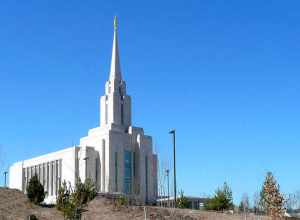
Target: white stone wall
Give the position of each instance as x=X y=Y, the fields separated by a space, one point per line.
x=117 y=140
x=15 y=176
x=61 y=164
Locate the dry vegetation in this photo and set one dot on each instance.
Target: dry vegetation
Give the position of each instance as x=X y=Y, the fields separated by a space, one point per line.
x=14 y=205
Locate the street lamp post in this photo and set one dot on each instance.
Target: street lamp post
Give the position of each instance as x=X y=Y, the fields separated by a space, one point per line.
x=174 y=160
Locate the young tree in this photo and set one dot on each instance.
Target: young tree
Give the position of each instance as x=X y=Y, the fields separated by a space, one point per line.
x=271 y=199
x=71 y=202
x=222 y=199
x=182 y=201
x=63 y=197
x=35 y=190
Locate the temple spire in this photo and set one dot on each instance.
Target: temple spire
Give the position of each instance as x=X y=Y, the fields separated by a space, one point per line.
x=115 y=69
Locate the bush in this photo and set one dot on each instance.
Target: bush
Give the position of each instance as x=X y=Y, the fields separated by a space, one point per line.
x=35 y=190
x=221 y=201
x=84 y=192
x=182 y=202
x=121 y=201
x=71 y=202
x=63 y=197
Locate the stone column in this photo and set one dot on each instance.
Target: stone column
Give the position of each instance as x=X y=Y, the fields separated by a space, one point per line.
x=46 y=177
x=50 y=179
x=103 y=167
x=54 y=177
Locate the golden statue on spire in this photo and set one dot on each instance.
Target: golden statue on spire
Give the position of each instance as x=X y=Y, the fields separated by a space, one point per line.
x=115 y=23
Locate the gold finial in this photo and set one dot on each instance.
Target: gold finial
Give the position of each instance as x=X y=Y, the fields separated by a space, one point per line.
x=115 y=23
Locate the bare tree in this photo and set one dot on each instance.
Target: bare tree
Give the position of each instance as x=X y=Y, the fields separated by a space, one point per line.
x=257 y=209
x=162 y=180
x=244 y=205
x=292 y=201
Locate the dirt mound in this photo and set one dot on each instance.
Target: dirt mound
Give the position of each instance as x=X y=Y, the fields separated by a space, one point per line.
x=14 y=205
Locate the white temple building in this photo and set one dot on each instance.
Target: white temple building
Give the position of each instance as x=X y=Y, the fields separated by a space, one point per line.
x=117 y=156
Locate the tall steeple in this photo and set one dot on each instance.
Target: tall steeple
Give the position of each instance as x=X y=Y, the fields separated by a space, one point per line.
x=115 y=105
x=115 y=69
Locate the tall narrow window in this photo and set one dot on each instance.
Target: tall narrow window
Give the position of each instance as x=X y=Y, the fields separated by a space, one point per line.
x=116 y=171
x=133 y=161
x=127 y=172
x=146 y=176
x=122 y=113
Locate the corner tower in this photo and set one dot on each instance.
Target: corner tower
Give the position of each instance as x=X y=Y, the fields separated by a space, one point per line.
x=115 y=104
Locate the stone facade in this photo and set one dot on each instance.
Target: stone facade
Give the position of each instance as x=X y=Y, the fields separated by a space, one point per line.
x=116 y=156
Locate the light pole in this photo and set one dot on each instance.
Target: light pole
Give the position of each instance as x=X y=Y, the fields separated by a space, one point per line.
x=5 y=174
x=167 y=173
x=174 y=160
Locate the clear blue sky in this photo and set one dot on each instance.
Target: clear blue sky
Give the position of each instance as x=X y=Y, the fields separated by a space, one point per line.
x=225 y=74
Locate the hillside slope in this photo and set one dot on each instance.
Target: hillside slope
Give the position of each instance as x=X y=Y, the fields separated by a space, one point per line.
x=14 y=205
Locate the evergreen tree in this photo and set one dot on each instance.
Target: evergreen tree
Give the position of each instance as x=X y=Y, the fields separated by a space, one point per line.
x=71 y=202
x=222 y=199
x=272 y=200
x=63 y=197
x=35 y=190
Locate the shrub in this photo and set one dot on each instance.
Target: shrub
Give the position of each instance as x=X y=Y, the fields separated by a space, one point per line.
x=182 y=202
x=221 y=201
x=122 y=200
x=35 y=190
x=71 y=202
x=84 y=192
x=63 y=197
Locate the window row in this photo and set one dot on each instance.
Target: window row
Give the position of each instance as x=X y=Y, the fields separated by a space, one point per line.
x=49 y=175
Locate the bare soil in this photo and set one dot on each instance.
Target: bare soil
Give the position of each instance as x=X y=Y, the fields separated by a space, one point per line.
x=14 y=205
